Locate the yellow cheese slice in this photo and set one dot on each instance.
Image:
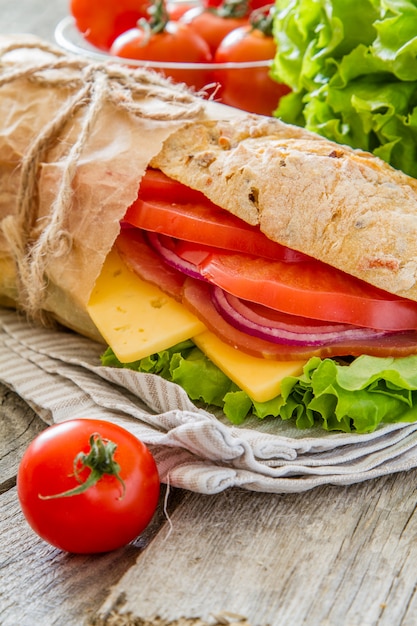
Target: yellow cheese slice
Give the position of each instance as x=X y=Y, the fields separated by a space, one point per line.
x=135 y=317
x=260 y=378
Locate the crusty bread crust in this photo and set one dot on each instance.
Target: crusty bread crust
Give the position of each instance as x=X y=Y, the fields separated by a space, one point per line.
x=345 y=207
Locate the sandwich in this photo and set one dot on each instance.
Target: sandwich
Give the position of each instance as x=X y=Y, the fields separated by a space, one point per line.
x=266 y=270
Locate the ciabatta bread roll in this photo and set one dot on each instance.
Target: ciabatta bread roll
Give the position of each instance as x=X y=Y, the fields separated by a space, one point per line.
x=345 y=207
x=76 y=138
x=80 y=142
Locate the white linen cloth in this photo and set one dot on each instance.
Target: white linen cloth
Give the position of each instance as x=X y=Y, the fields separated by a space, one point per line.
x=59 y=375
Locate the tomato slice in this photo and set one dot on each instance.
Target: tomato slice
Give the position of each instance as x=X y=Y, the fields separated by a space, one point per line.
x=196 y=297
x=170 y=208
x=228 y=252
x=155 y=185
x=310 y=289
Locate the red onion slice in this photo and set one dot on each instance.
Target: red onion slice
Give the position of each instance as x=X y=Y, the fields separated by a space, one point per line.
x=278 y=330
x=157 y=242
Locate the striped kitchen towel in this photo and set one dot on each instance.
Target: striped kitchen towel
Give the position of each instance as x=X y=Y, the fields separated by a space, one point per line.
x=58 y=373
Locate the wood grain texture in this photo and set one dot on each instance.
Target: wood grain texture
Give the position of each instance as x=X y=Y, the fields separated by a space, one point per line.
x=40 y=584
x=331 y=556
x=18 y=427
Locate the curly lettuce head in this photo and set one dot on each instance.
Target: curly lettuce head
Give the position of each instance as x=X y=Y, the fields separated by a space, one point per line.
x=352 y=68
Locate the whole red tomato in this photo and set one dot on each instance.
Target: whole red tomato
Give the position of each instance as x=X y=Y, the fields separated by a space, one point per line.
x=87 y=486
x=251 y=88
x=101 y=21
x=177 y=43
x=213 y=24
x=161 y=39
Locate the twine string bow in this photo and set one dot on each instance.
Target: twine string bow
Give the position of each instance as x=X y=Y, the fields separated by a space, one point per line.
x=32 y=243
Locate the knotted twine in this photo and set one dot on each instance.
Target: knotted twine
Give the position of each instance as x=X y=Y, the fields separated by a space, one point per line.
x=33 y=242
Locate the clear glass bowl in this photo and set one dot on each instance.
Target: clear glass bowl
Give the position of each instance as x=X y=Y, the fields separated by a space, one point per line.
x=245 y=86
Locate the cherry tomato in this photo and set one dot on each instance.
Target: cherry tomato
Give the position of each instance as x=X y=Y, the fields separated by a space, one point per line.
x=211 y=4
x=241 y=45
x=101 y=21
x=177 y=8
x=165 y=40
x=87 y=486
x=177 y=43
x=213 y=24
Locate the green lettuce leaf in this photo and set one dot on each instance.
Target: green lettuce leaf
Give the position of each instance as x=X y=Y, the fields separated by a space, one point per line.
x=352 y=68
x=352 y=398
x=355 y=397
x=204 y=382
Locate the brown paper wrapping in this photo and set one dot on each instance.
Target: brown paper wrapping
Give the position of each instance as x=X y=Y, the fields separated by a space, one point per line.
x=75 y=139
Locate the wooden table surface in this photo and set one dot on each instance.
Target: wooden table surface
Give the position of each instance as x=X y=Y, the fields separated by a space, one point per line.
x=332 y=556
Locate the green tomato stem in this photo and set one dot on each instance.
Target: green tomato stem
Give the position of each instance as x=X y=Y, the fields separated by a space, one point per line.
x=232 y=9
x=157 y=21
x=263 y=19
x=100 y=460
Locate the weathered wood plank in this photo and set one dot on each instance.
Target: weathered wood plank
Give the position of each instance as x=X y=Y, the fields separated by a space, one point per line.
x=41 y=585
x=331 y=556
x=18 y=426
x=328 y=557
